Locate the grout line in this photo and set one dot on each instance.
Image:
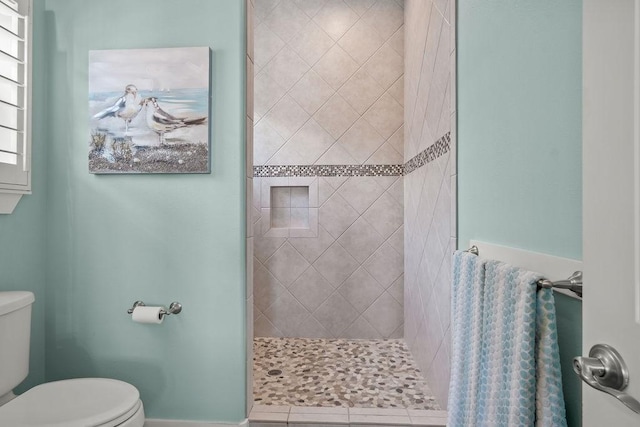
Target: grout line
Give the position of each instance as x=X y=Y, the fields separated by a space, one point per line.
x=447 y=94
x=336 y=91
x=360 y=265
x=422 y=61
x=441 y=13
x=277 y=331
x=361 y=316
x=364 y=13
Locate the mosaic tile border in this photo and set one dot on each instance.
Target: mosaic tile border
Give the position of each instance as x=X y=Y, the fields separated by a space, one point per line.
x=271 y=171
x=431 y=153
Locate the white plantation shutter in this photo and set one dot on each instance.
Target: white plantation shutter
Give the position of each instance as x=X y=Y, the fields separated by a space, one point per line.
x=14 y=94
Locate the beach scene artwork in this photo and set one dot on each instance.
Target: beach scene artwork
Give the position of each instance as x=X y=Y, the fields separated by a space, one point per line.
x=149 y=110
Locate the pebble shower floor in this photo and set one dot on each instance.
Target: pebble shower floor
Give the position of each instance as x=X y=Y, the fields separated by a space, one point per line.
x=338 y=372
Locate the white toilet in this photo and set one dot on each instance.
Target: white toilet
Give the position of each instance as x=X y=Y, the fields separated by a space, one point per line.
x=82 y=402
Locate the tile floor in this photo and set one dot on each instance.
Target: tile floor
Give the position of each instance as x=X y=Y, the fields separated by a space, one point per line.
x=301 y=416
x=338 y=373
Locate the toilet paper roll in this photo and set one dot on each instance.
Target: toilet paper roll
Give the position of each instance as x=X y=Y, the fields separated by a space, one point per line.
x=147 y=315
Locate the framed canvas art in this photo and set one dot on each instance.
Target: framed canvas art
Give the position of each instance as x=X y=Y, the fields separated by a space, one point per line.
x=149 y=110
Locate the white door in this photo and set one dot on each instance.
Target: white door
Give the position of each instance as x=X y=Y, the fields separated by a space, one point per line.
x=611 y=208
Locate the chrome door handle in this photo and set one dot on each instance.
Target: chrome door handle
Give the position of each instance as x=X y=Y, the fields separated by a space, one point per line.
x=606 y=371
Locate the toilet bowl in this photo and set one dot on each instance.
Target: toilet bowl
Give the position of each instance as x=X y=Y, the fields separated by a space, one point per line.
x=81 y=402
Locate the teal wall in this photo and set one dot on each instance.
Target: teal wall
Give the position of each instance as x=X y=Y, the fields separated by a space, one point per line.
x=519 y=136
x=23 y=237
x=112 y=240
x=22 y=261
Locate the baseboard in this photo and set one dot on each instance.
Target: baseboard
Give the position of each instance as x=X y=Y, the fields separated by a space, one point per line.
x=177 y=423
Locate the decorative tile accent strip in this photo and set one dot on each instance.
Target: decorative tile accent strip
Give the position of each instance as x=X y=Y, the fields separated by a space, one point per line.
x=326 y=170
x=435 y=150
x=431 y=153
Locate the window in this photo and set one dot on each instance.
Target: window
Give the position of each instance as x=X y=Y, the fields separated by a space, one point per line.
x=15 y=97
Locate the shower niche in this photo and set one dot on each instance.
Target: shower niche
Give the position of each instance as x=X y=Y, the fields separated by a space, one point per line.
x=289 y=208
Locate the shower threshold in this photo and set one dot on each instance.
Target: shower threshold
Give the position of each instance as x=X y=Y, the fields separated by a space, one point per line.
x=339 y=382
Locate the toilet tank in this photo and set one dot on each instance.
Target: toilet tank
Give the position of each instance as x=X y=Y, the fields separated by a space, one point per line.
x=15 y=331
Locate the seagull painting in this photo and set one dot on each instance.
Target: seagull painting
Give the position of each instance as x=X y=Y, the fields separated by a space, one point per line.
x=162 y=122
x=126 y=107
x=148 y=110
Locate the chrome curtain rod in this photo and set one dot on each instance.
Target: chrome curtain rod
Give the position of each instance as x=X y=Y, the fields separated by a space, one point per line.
x=572 y=283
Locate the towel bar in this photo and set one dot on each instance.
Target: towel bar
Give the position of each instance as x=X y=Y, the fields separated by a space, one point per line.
x=473 y=250
x=572 y=283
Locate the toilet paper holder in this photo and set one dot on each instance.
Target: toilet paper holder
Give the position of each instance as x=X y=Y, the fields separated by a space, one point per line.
x=174 y=308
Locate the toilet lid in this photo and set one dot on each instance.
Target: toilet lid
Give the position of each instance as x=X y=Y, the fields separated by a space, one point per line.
x=82 y=402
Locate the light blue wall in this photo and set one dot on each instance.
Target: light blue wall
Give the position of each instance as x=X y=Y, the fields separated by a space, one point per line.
x=23 y=237
x=112 y=240
x=519 y=136
x=22 y=261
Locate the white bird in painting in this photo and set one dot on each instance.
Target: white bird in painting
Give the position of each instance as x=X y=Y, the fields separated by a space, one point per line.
x=126 y=107
x=162 y=122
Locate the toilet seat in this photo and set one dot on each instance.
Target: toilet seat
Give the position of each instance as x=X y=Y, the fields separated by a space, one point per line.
x=82 y=402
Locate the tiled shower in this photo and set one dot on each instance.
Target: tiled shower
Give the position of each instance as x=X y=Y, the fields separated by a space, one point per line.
x=352 y=173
